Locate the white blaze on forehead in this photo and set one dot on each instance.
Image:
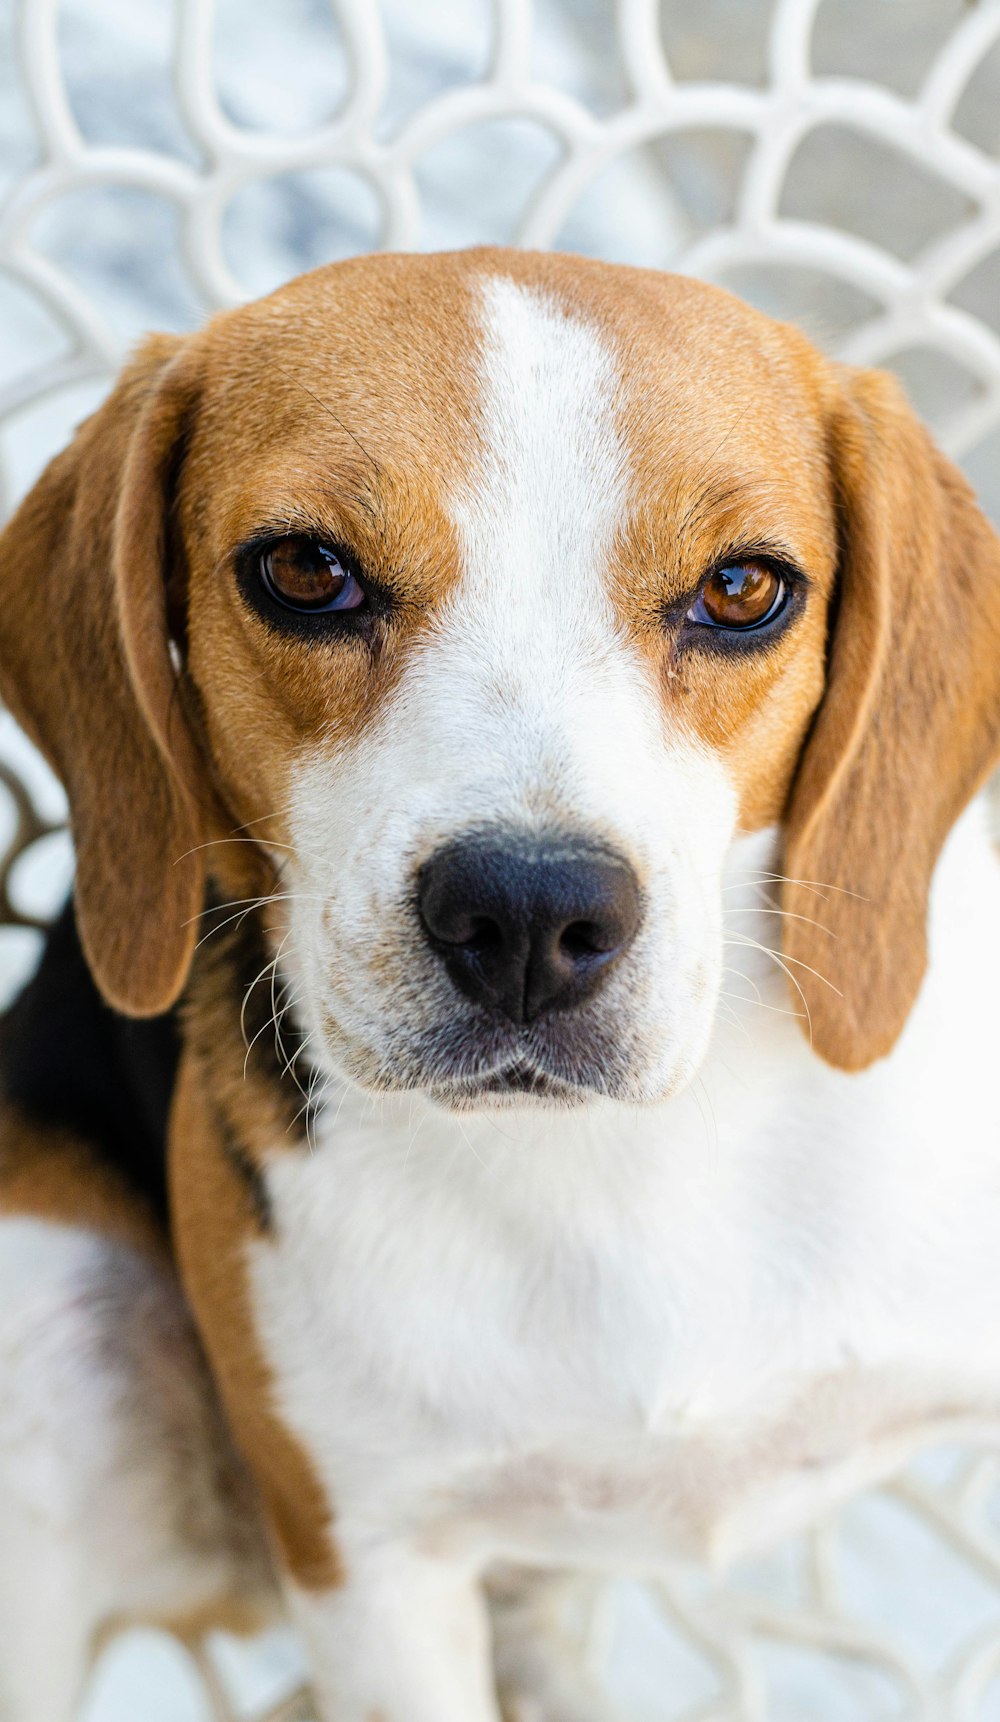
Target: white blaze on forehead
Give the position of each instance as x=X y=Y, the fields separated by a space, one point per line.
x=542 y=506
x=524 y=704
x=528 y=698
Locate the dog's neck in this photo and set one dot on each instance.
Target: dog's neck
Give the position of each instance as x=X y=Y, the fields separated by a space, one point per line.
x=777 y=1231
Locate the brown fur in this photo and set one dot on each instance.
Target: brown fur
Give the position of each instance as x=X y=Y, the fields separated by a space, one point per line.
x=51 y=1175
x=345 y=404
x=909 y=726
x=215 y=1225
x=84 y=669
x=234 y=1101
x=737 y=431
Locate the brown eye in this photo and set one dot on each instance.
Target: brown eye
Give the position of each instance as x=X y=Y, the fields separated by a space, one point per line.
x=743 y=595
x=303 y=574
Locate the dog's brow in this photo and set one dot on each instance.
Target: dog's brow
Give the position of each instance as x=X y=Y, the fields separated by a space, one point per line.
x=326 y=408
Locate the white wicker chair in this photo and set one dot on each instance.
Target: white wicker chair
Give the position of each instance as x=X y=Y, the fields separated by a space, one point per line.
x=836 y=161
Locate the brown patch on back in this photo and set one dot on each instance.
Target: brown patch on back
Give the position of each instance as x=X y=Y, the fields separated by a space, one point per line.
x=214 y=1224
x=51 y=1174
x=228 y=1108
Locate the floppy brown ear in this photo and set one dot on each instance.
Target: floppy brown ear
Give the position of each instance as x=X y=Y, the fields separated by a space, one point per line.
x=907 y=730
x=85 y=667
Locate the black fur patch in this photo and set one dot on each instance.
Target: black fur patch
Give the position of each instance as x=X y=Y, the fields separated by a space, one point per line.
x=67 y=1059
x=248 y=1172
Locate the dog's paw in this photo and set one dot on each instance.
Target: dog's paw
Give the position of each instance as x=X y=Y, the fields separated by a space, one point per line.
x=541 y=1623
x=556 y=1707
x=551 y=1686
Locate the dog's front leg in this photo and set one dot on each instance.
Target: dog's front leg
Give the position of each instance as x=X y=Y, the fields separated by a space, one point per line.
x=403 y=1638
x=393 y=1635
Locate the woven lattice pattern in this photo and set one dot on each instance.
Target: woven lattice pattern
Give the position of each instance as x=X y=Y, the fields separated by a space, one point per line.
x=835 y=160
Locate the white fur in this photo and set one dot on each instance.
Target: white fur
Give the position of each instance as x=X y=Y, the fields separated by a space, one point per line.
x=676 y=1320
x=525 y=708
x=614 y=1335
x=619 y=1336
x=119 y=1498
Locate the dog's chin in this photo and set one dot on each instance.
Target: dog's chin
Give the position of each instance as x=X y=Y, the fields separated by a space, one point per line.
x=483 y=1084
x=515 y=1085
x=468 y=1066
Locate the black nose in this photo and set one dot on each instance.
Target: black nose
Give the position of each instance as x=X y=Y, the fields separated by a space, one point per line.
x=525 y=925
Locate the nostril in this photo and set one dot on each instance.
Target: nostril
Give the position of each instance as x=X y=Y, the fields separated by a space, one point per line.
x=584 y=939
x=483 y=936
x=452 y=920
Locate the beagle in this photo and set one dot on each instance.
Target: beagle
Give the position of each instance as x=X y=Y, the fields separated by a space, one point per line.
x=490 y=1113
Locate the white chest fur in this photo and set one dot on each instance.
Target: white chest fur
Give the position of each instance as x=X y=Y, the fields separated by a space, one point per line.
x=620 y=1334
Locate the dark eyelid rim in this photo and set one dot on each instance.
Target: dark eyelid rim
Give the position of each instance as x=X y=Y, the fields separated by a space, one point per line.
x=698 y=636
x=307 y=624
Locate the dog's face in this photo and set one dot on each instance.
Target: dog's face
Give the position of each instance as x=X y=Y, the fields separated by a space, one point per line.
x=521 y=639
x=502 y=593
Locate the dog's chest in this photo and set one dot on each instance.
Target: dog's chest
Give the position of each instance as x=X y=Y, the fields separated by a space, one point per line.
x=640 y=1355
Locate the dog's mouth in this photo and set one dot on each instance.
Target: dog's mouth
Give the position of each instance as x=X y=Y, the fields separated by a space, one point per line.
x=518 y=1081
x=477 y=1063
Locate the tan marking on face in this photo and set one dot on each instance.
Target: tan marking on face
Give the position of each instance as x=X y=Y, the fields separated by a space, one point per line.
x=751 y=705
x=350 y=403
x=346 y=405
x=723 y=414
x=739 y=463
x=214 y=1221
x=348 y=413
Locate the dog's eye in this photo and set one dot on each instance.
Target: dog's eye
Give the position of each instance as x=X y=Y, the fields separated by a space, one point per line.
x=304 y=574
x=742 y=595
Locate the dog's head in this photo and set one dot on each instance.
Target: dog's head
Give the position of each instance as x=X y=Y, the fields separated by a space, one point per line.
x=489 y=597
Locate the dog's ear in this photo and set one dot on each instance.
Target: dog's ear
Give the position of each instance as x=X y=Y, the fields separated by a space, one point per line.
x=85 y=666
x=908 y=728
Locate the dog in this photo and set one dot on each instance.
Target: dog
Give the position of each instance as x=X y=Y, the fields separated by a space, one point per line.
x=513 y=1094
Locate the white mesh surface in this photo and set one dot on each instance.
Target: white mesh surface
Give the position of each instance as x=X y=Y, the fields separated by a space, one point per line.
x=836 y=162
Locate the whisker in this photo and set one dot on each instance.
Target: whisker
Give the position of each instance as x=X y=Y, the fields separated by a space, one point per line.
x=278 y=1016
x=216 y=842
x=762 y=1004
x=337 y=420
x=817 y=885
x=310 y=1107
x=745 y=939
x=469 y=1145
x=246 y=999
x=712 y=1138
x=251 y=903
x=788 y=915
x=775 y=958
x=731 y=1017
x=742 y=977
x=303 y=1046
